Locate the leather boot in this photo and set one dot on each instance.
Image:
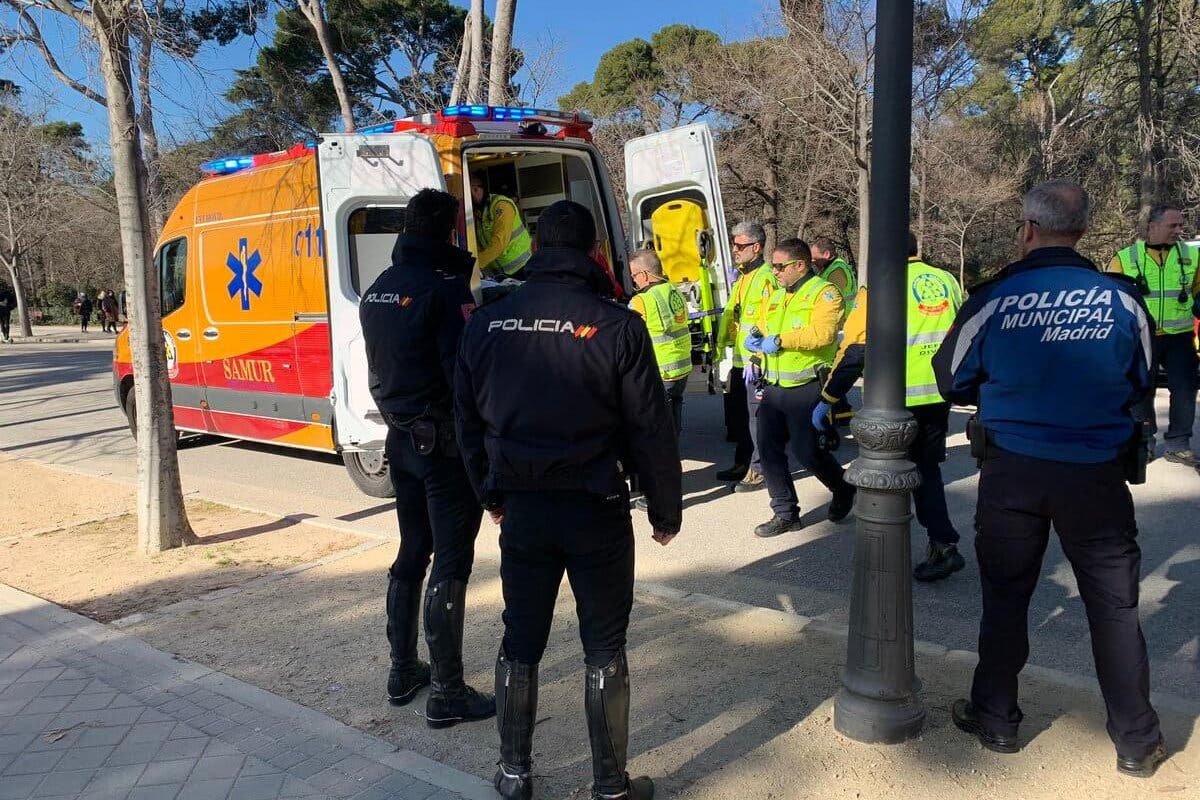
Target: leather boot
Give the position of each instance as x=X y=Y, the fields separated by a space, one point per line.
x=408 y=673
x=516 y=713
x=450 y=701
x=606 y=698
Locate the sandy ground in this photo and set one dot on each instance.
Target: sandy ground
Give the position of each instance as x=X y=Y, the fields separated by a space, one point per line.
x=94 y=568
x=727 y=703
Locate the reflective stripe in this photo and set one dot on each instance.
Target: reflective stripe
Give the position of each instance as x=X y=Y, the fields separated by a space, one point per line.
x=923 y=390
x=518 y=262
x=933 y=337
x=676 y=365
x=799 y=377
x=670 y=336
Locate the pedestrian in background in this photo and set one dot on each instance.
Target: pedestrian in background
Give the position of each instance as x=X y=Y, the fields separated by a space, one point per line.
x=8 y=301
x=1164 y=269
x=83 y=307
x=1054 y=387
x=556 y=389
x=412 y=317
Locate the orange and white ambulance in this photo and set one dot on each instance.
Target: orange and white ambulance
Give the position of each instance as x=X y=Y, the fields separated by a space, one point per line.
x=262 y=262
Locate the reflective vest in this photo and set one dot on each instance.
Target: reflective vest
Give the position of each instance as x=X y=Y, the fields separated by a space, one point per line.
x=1167 y=284
x=934 y=298
x=746 y=309
x=666 y=318
x=839 y=265
x=787 y=312
x=518 y=251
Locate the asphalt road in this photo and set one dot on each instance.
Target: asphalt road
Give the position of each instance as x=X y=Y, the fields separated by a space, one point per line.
x=57 y=406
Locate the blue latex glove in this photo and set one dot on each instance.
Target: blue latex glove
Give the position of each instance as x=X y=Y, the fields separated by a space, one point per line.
x=754 y=343
x=770 y=345
x=820 y=413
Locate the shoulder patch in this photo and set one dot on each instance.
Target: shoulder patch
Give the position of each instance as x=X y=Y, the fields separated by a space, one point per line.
x=830 y=295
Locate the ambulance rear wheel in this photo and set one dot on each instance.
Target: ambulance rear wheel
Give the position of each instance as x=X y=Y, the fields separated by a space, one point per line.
x=370 y=473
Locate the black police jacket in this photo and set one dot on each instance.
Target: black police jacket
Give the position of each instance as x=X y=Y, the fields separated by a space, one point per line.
x=412 y=318
x=555 y=384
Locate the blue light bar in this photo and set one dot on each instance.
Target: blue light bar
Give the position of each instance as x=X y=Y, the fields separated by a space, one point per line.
x=475 y=112
x=383 y=127
x=226 y=166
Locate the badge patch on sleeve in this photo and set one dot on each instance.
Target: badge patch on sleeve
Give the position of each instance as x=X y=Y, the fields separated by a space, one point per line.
x=467 y=308
x=830 y=295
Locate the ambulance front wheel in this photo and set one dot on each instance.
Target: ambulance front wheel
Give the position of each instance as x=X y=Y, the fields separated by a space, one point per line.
x=370 y=473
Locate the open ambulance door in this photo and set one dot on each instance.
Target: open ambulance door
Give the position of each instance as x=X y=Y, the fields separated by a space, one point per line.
x=363 y=177
x=671 y=180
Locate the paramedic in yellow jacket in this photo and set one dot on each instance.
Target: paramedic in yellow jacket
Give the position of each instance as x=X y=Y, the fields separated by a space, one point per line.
x=800 y=339
x=504 y=242
x=665 y=311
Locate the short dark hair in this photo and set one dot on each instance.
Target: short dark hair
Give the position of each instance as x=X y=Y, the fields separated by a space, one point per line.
x=913 y=249
x=566 y=224
x=797 y=249
x=432 y=214
x=825 y=245
x=1160 y=210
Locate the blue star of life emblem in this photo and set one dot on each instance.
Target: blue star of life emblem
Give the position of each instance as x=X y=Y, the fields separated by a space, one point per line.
x=244 y=280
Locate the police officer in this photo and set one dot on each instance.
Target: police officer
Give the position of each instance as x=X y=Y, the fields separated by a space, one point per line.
x=503 y=239
x=744 y=310
x=1055 y=353
x=556 y=388
x=798 y=341
x=665 y=312
x=1164 y=268
x=934 y=298
x=412 y=317
x=829 y=266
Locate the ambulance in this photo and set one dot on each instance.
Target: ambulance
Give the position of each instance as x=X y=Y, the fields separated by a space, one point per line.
x=261 y=264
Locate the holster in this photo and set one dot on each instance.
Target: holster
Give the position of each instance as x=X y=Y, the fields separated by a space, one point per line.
x=982 y=445
x=1136 y=456
x=429 y=436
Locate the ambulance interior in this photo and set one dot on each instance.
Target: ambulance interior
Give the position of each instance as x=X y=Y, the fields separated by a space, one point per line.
x=534 y=179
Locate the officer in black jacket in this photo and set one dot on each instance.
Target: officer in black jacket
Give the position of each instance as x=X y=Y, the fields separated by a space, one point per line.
x=556 y=389
x=412 y=318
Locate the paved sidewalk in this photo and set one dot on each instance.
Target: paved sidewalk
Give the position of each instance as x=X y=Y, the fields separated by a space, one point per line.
x=88 y=712
x=62 y=334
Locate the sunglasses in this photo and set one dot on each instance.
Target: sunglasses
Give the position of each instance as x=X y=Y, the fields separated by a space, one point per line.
x=784 y=265
x=743 y=245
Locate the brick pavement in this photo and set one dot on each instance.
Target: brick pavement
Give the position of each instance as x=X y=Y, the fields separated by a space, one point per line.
x=91 y=713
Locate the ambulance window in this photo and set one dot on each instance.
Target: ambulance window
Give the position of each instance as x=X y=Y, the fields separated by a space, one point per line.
x=172 y=274
x=373 y=233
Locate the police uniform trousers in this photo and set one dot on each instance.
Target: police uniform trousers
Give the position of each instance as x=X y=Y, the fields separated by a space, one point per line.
x=928 y=452
x=785 y=417
x=587 y=536
x=1177 y=353
x=739 y=424
x=1090 y=507
x=437 y=509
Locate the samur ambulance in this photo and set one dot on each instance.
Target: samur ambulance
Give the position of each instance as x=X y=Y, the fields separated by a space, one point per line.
x=261 y=264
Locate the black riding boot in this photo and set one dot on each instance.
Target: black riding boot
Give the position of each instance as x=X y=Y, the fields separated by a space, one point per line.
x=450 y=700
x=607 y=701
x=516 y=711
x=408 y=673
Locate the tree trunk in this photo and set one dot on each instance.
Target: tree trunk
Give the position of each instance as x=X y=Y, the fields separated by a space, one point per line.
x=314 y=12
x=1147 y=185
x=502 y=33
x=464 y=63
x=863 y=169
x=475 y=81
x=162 y=518
x=150 y=147
x=14 y=277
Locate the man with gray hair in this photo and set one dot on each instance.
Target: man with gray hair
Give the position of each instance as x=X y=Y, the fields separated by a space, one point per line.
x=746 y=308
x=1055 y=353
x=665 y=311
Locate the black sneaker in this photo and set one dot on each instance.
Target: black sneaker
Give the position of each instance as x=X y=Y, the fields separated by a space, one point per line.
x=404 y=682
x=777 y=525
x=841 y=506
x=965 y=720
x=942 y=561
x=1185 y=457
x=1143 y=767
x=734 y=473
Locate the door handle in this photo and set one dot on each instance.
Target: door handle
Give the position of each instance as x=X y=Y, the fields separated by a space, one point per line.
x=183 y=333
x=210 y=333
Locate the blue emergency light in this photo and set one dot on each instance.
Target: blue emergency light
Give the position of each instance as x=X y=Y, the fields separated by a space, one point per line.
x=383 y=127
x=226 y=166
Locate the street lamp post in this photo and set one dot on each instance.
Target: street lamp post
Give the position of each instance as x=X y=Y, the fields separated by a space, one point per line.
x=879 y=700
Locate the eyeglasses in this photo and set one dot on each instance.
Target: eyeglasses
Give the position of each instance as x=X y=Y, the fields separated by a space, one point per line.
x=1033 y=222
x=743 y=245
x=784 y=265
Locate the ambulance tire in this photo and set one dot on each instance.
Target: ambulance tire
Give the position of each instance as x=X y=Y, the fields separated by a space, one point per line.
x=370 y=473
x=131 y=415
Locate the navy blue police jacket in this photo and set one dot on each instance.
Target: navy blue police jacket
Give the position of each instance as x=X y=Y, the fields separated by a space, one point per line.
x=412 y=317
x=556 y=384
x=1055 y=353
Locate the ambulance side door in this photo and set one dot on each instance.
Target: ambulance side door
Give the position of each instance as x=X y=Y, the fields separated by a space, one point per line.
x=363 y=173
x=677 y=164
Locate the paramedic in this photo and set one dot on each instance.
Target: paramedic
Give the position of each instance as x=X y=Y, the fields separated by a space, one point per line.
x=412 y=317
x=556 y=385
x=665 y=311
x=504 y=243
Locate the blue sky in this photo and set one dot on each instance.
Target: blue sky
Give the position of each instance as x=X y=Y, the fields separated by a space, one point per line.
x=190 y=95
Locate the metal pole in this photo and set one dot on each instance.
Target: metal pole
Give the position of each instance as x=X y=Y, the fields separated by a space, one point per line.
x=879 y=700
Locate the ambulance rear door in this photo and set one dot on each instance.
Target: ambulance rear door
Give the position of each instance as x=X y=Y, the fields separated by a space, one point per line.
x=679 y=164
x=363 y=178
